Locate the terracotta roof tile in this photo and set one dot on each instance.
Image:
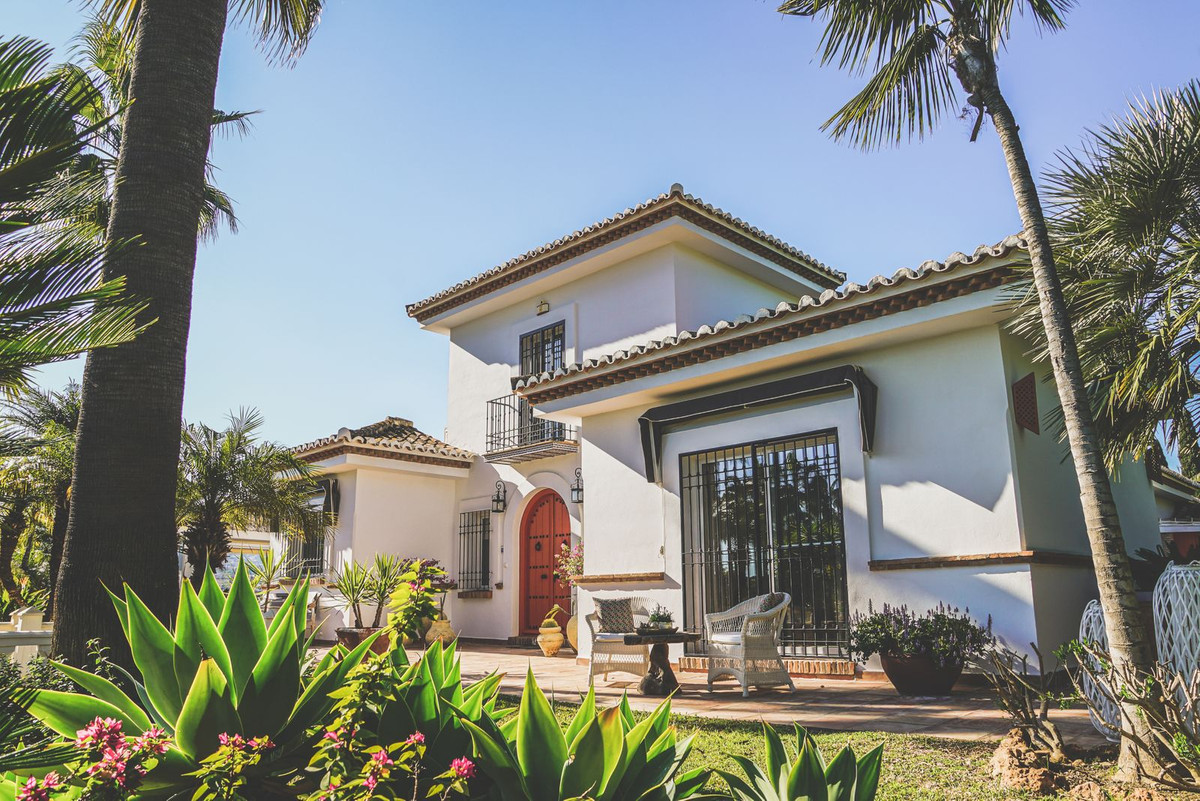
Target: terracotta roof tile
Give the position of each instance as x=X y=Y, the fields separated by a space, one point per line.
x=799 y=261
x=827 y=299
x=393 y=435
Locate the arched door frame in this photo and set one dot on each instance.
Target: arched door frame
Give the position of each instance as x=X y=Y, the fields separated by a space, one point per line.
x=529 y=504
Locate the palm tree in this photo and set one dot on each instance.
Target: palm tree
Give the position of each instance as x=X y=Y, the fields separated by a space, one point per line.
x=915 y=50
x=49 y=265
x=1126 y=232
x=42 y=423
x=123 y=509
x=103 y=61
x=227 y=479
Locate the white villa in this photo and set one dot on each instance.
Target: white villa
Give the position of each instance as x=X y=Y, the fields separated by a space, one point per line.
x=718 y=419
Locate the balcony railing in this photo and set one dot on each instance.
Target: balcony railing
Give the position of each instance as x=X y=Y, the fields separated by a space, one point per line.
x=514 y=434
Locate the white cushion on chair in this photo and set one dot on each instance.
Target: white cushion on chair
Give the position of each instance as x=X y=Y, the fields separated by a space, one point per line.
x=727 y=638
x=610 y=637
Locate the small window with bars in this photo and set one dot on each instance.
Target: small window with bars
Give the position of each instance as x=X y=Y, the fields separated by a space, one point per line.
x=475 y=551
x=543 y=350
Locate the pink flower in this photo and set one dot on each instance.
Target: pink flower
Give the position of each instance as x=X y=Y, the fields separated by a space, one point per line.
x=112 y=767
x=100 y=733
x=262 y=743
x=416 y=738
x=382 y=759
x=153 y=741
x=35 y=791
x=370 y=781
x=463 y=768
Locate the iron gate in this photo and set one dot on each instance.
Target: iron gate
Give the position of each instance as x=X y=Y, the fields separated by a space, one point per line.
x=767 y=517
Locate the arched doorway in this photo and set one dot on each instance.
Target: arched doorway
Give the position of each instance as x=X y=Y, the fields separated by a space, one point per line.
x=545 y=526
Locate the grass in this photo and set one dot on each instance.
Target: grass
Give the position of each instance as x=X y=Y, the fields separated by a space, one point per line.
x=915 y=767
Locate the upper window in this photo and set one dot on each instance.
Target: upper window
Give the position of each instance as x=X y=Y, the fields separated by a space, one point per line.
x=542 y=351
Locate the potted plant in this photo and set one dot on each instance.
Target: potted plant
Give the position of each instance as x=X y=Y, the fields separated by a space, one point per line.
x=356 y=585
x=414 y=598
x=568 y=567
x=550 y=635
x=441 y=630
x=661 y=621
x=921 y=654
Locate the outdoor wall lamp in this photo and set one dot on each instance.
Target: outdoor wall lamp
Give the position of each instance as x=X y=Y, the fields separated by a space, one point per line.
x=543 y=306
x=500 y=499
x=577 y=486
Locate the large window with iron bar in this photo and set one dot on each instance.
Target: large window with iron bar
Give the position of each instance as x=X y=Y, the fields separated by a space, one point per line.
x=767 y=517
x=543 y=350
x=474 y=551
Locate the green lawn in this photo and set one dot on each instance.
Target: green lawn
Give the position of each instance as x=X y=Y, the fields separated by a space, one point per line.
x=914 y=766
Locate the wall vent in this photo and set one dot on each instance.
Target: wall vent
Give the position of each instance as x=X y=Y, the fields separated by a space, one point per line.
x=1025 y=405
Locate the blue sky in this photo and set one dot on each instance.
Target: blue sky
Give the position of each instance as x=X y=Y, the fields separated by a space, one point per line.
x=416 y=144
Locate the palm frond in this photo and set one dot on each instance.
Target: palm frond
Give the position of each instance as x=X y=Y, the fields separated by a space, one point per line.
x=905 y=99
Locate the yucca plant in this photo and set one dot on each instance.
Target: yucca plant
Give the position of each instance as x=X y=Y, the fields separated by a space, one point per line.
x=600 y=755
x=356 y=586
x=222 y=671
x=808 y=777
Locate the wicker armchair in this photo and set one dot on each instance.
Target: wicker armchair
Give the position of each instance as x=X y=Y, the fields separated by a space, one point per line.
x=744 y=643
x=610 y=654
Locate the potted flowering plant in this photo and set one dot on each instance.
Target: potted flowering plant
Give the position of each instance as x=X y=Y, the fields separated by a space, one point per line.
x=921 y=654
x=568 y=567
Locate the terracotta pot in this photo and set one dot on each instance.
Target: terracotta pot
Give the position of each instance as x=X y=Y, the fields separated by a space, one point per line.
x=573 y=633
x=441 y=631
x=920 y=675
x=352 y=638
x=550 y=639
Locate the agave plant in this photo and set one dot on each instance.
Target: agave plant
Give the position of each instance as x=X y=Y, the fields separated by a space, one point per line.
x=222 y=670
x=600 y=755
x=845 y=778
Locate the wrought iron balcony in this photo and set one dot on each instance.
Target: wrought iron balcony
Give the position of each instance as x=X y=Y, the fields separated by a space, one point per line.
x=515 y=435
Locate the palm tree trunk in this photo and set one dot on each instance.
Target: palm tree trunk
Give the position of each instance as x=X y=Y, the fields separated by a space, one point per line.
x=122 y=524
x=58 y=535
x=11 y=527
x=1123 y=622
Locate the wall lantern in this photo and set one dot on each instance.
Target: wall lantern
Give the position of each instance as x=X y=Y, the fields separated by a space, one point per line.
x=543 y=306
x=500 y=499
x=577 y=486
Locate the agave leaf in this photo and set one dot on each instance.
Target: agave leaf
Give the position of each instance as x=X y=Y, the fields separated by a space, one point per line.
x=541 y=748
x=274 y=685
x=122 y=610
x=661 y=767
x=144 y=698
x=187 y=644
x=105 y=690
x=284 y=609
x=807 y=778
x=424 y=700
x=616 y=761
x=499 y=762
x=196 y=632
x=869 y=767
x=840 y=775
x=585 y=768
x=802 y=736
x=208 y=712
x=477 y=695
x=452 y=690
x=742 y=791
x=583 y=715
x=314 y=701
x=627 y=712
x=154 y=654
x=211 y=595
x=776 y=767
x=396 y=721
x=764 y=788
x=690 y=783
x=67 y=713
x=434 y=664
x=242 y=628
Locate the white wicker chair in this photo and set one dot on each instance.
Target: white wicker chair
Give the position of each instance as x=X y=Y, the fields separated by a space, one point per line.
x=743 y=642
x=610 y=654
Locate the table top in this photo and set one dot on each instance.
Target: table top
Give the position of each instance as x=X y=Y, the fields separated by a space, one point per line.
x=651 y=639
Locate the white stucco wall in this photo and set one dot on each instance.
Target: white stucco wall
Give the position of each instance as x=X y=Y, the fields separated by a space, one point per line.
x=938 y=483
x=707 y=291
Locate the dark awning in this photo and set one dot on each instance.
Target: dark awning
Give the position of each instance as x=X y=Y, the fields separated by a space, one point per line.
x=655 y=422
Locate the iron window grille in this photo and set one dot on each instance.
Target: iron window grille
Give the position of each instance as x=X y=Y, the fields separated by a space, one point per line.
x=767 y=517
x=475 y=551
x=543 y=350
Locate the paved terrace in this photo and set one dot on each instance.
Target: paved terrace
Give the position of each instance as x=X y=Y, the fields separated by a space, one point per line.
x=833 y=704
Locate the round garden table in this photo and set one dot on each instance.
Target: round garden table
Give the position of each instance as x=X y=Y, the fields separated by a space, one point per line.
x=659 y=679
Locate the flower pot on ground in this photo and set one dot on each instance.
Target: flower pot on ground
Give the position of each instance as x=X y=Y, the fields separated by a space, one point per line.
x=357 y=585
x=550 y=635
x=922 y=655
x=441 y=631
x=568 y=567
x=572 y=632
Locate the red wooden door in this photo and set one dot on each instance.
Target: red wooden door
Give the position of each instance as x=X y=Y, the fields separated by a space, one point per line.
x=545 y=527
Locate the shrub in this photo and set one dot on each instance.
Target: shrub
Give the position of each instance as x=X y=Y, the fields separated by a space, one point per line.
x=845 y=778
x=945 y=635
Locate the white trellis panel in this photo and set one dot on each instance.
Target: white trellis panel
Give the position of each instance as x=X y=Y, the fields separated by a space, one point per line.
x=1177 y=621
x=1091 y=629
